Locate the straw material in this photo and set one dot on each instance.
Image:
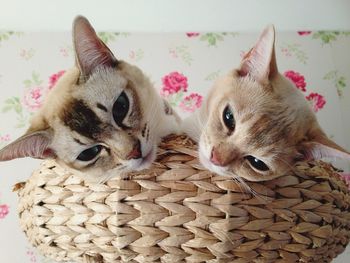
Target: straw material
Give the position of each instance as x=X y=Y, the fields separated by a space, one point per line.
x=179 y=212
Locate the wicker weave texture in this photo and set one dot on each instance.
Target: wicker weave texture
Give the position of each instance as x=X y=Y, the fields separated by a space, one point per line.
x=179 y=212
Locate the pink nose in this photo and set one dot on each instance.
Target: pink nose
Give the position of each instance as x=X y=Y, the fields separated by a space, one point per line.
x=136 y=152
x=215 y=158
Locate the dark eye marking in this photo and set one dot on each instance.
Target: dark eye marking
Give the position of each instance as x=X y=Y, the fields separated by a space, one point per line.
x=143 y=132
x=101 y=107
x=147 y=137
x=256 y=163
x=90 y=153
x=228 y=118
x=121 y=109
x=78 y=141
x=79 y=117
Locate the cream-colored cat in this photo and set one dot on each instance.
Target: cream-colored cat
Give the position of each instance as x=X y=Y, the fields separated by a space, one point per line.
x=255 y=124
x=103 y=117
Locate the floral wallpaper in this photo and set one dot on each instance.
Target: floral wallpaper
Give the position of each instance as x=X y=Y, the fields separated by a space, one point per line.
x=183 y=66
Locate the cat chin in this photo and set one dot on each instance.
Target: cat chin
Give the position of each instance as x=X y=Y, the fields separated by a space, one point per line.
x=210 y=166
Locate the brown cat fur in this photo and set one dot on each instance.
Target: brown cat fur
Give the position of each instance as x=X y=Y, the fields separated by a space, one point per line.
x=273 y=125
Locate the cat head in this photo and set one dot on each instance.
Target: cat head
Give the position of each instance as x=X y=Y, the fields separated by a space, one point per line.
x=102 y=116
x=259 y=125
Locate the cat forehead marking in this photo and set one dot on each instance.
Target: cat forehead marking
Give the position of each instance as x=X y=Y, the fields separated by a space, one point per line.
x=79 y=117
x=269 y=129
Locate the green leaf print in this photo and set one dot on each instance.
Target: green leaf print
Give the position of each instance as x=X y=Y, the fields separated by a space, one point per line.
x=27 y=54
x=327 y=37
x=183 y=53
x=211 y=38
x=14 y=104
x=213 y=76
x=34 y=81
x=214 y=38
x=35 y=77
x=27 y=83
x=136 y=55
x=107 y=37
x=19 y=105
x=174 y=99
x=294 y=50
x=339 y=81
x=5 y=35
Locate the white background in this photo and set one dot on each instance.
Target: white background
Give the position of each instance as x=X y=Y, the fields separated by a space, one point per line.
x=176 y=15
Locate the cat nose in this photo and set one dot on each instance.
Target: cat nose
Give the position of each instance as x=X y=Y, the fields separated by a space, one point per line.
x=219 y=159
x=215 y=158
x=135 y=152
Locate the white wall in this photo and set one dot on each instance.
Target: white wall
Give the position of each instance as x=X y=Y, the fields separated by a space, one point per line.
x=176 y=15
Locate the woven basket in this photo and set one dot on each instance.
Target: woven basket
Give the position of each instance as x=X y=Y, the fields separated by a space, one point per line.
x=179 y=212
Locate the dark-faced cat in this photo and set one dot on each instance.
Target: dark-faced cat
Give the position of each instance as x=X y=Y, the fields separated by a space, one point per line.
x=102 y=118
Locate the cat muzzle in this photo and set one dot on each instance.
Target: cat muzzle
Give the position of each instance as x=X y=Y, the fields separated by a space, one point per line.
x=135 y=152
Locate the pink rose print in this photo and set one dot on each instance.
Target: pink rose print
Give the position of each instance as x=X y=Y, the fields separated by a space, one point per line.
x=64 y=52
x=33 y=98
x=4 y=210
x=317 y=101
x=192 y=34
x=304 y=33
x=286 y=52
x=54 y=78
x=5 y=138
x=191 y=103
x=297 y=79
x=174 y=89
x=173 y=53
x=174 y=82
x=346 y=176
x=31 y=256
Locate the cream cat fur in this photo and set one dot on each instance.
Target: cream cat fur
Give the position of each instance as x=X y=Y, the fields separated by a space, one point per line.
x=102 y=118
x=255 y=124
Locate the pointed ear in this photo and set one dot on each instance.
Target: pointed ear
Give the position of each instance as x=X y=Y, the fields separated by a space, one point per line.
x=90 y=51
x=35 y=145
x=320 y=146
x=260 y=61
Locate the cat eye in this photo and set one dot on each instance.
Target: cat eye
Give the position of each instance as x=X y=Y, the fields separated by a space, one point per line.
x=228 y=118
x=120 y=108
x=90 y=154
x=256 y=163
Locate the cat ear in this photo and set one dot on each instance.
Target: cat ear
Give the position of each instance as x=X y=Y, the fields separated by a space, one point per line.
x=260 y=61
x=35 y=145
x=320 y=146
x=90 y=51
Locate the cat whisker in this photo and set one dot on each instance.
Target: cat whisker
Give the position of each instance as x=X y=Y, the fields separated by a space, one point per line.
x=244 y=187
x=291 y=167
x=240 y=183
x=152 y=110
x=199 y=125
x=255 y=194
x=152 y=123
x=109 y=176
x=224 y=233
x=198 y=120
